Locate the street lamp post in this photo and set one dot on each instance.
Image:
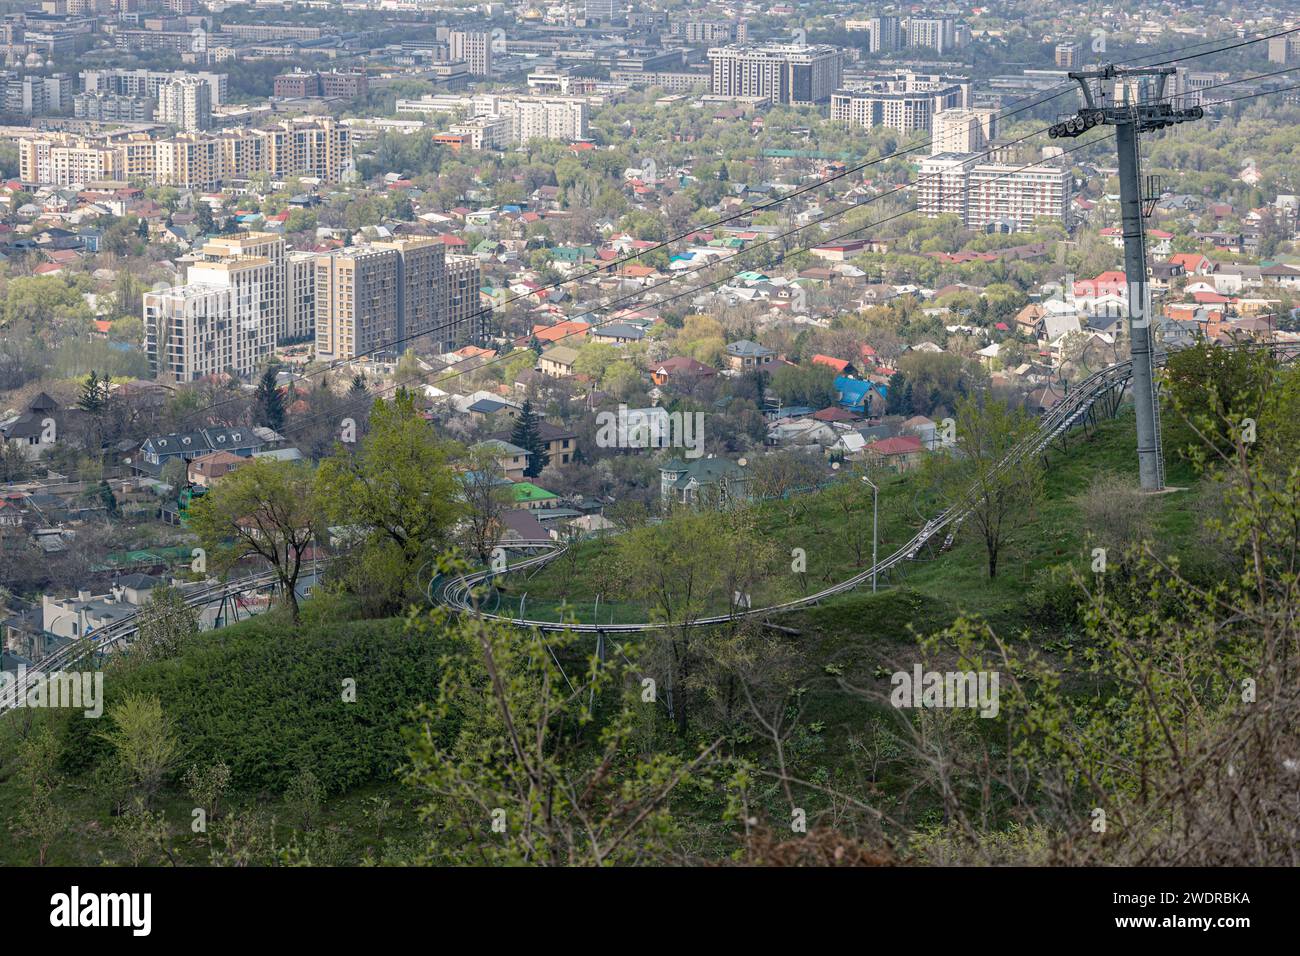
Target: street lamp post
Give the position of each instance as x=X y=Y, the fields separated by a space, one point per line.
x=875 y=539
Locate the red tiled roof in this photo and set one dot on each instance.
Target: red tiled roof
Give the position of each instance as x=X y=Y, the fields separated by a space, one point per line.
x=838 y=364
x=898 y=445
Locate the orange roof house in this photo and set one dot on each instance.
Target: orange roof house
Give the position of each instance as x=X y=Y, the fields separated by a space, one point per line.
x=839 y=365
x=567 y=331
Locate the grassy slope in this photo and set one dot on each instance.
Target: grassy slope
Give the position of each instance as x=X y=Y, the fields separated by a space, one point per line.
x=267 y=701
x=957 y=581
x=242 y=681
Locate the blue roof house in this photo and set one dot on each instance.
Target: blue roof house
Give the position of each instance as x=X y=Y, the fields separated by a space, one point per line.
x=854 y=393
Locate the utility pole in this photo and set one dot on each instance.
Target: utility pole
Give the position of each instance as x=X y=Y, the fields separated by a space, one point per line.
x=875 y=534
x=1131 y=116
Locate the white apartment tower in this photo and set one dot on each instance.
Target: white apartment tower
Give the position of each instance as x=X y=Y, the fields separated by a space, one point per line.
x=475 y=48
x=186 y=103
x=993 y=196
x=932 y=33
x=962 y=130
x=798 y=74
x=906 y=102
x=217 y=323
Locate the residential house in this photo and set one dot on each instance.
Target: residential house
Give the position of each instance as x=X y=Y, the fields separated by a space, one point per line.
x=1194 y=263
x=708 y=482
x=484 y=408
x=1233 y=279
x=840 y=366
x=157 y=451
x=900 y=453
x=558 y=362
x=862 y=397
x=512 y=459
x=924 y=429
x=525 y=494
x=1287 y=276
x=561 y=443
x=35 y=430
x=745 y=355
x=680 y=368
x=617 y=333
x=206 y=470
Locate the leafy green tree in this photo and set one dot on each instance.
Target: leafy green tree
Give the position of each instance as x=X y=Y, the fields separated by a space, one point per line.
x=693 y=563
x=622 y=380
x=94 y=394
x=812 y=385
x=40 y=817
x=509 y=775
x=398 y=487
x=143 y=834
x=1213 y=390
x=1001 y=501
x=594 y=357
x=518 y=363
x=143 y=742
x=166 y=623
x=898 y=400
x=108 y=498
x=175 y=472
x=486 y=499
x=206 y=785
x=264 y=509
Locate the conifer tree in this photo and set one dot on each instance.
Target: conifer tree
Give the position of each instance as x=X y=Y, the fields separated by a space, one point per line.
x=527 y=434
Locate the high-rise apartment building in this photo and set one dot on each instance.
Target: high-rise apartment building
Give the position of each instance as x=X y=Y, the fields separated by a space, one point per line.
x=217 y=323
x=320 y=148
x=932 y=33
x=962 y=130
x=544 y=117
x=148 y=82
x=886 y=34
x=64 y=160
x=186 y=103
x=603 y=10
x=36 y=95
x=300 y=296
x=787 y=73
x=112 y=108
x=1069 y=55
x=388 y=296
x=356 y=302
x=249 y=293
x=465 y=319
x=1284 y=49
x=263 y=246
x=709 y=31
x=475 y=48
x=528 y=117
x=992 y=196
x=299 y=84
x=905 y=101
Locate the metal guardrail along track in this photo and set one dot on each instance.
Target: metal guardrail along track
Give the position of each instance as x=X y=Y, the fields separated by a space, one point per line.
x=456 y=593
x=106 y=638
x=1069 y=412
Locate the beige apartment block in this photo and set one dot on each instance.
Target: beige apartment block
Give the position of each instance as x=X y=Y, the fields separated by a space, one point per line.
x=209 y=327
